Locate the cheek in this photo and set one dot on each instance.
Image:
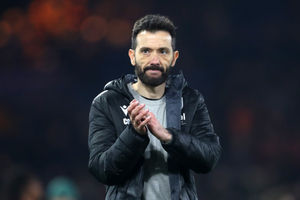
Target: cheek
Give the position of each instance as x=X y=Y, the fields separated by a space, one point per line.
x=142 y=61
x=167 y=60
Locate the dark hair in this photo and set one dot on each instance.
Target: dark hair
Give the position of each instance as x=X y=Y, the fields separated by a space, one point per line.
x=153 y=23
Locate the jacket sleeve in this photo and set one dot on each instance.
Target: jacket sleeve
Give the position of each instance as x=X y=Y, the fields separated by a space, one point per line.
x=112 y=158
x=199 y=149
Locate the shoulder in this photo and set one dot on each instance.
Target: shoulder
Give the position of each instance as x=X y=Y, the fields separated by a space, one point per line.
x=102 y=95
x=104 y=103
x=105 y=96
x=191 y=93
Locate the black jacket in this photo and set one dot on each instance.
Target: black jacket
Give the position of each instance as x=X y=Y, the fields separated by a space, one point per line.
x=117 y=150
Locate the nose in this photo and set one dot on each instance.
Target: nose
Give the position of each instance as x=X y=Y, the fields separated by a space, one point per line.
x=154 y=59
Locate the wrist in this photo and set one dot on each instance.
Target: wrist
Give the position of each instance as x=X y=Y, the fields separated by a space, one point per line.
x=143 y=131
x=167 y=138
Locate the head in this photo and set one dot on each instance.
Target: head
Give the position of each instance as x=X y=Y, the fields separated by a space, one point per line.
x=25 y=186
x=153 y=49
x=62 y=188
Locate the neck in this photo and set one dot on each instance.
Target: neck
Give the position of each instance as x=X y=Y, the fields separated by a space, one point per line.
x=148 y=91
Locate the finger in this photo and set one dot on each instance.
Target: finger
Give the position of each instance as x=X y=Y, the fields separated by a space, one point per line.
x=135 y=124
x=152 y=121
x=136 y=119
x=142 y=115
x=133 y=101
x=132 y=106
x=136 y=110
x=143 y=123
x=151 y=114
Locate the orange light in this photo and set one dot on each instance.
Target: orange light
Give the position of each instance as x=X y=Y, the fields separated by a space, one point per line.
x=5 y=32
x=56 y=17
x=16 y=18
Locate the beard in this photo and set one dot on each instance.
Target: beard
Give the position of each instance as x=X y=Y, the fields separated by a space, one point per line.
x=151 y=81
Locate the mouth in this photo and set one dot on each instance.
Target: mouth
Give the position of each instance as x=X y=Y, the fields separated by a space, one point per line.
x=154 y=72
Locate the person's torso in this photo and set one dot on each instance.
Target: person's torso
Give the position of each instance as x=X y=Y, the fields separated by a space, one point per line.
x=117 y=104
x=156 y=179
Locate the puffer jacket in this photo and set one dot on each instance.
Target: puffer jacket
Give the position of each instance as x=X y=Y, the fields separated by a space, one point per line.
x=117 y=150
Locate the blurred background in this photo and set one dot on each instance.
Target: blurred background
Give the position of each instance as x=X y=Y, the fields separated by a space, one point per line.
x=56 y=56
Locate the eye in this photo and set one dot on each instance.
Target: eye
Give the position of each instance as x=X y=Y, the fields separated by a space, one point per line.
x=145 y=50
x=164 y=51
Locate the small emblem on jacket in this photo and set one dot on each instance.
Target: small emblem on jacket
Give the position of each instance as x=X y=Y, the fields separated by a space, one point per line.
x=126 y=121
x=182 y=119
x=124 y=109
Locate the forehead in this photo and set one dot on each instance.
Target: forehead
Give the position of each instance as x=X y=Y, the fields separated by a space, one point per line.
x=155 y=39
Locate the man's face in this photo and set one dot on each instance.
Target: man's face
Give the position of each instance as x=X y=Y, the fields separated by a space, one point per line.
x=153 y=57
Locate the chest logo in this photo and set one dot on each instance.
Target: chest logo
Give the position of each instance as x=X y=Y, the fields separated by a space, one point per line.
x=124 y=109
x=126 y=121
x=182 y=119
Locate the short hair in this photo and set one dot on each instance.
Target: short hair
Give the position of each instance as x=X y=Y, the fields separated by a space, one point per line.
x=153 y=23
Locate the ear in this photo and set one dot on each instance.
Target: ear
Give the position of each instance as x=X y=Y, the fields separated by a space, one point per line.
x=175 y=56
x=131 y=55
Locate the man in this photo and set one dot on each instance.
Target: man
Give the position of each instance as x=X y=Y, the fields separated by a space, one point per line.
x=24 y=186
x=148 y=132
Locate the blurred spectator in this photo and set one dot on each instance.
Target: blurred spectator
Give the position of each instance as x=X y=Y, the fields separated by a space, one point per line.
x=62 y=188
x=25 y=186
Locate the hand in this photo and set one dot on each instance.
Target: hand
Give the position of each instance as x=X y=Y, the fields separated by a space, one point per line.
x=139 y=116
x=158 y=130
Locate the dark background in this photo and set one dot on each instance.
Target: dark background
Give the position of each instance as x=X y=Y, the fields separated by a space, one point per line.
x=56 y=56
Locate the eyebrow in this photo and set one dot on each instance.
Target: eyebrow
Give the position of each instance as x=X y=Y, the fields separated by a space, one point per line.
x=144 y=48
x=164 y=48
x=161 y=48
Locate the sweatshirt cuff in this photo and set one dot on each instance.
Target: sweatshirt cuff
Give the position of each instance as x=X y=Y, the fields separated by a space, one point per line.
x=133 y=140
x=173 y=137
